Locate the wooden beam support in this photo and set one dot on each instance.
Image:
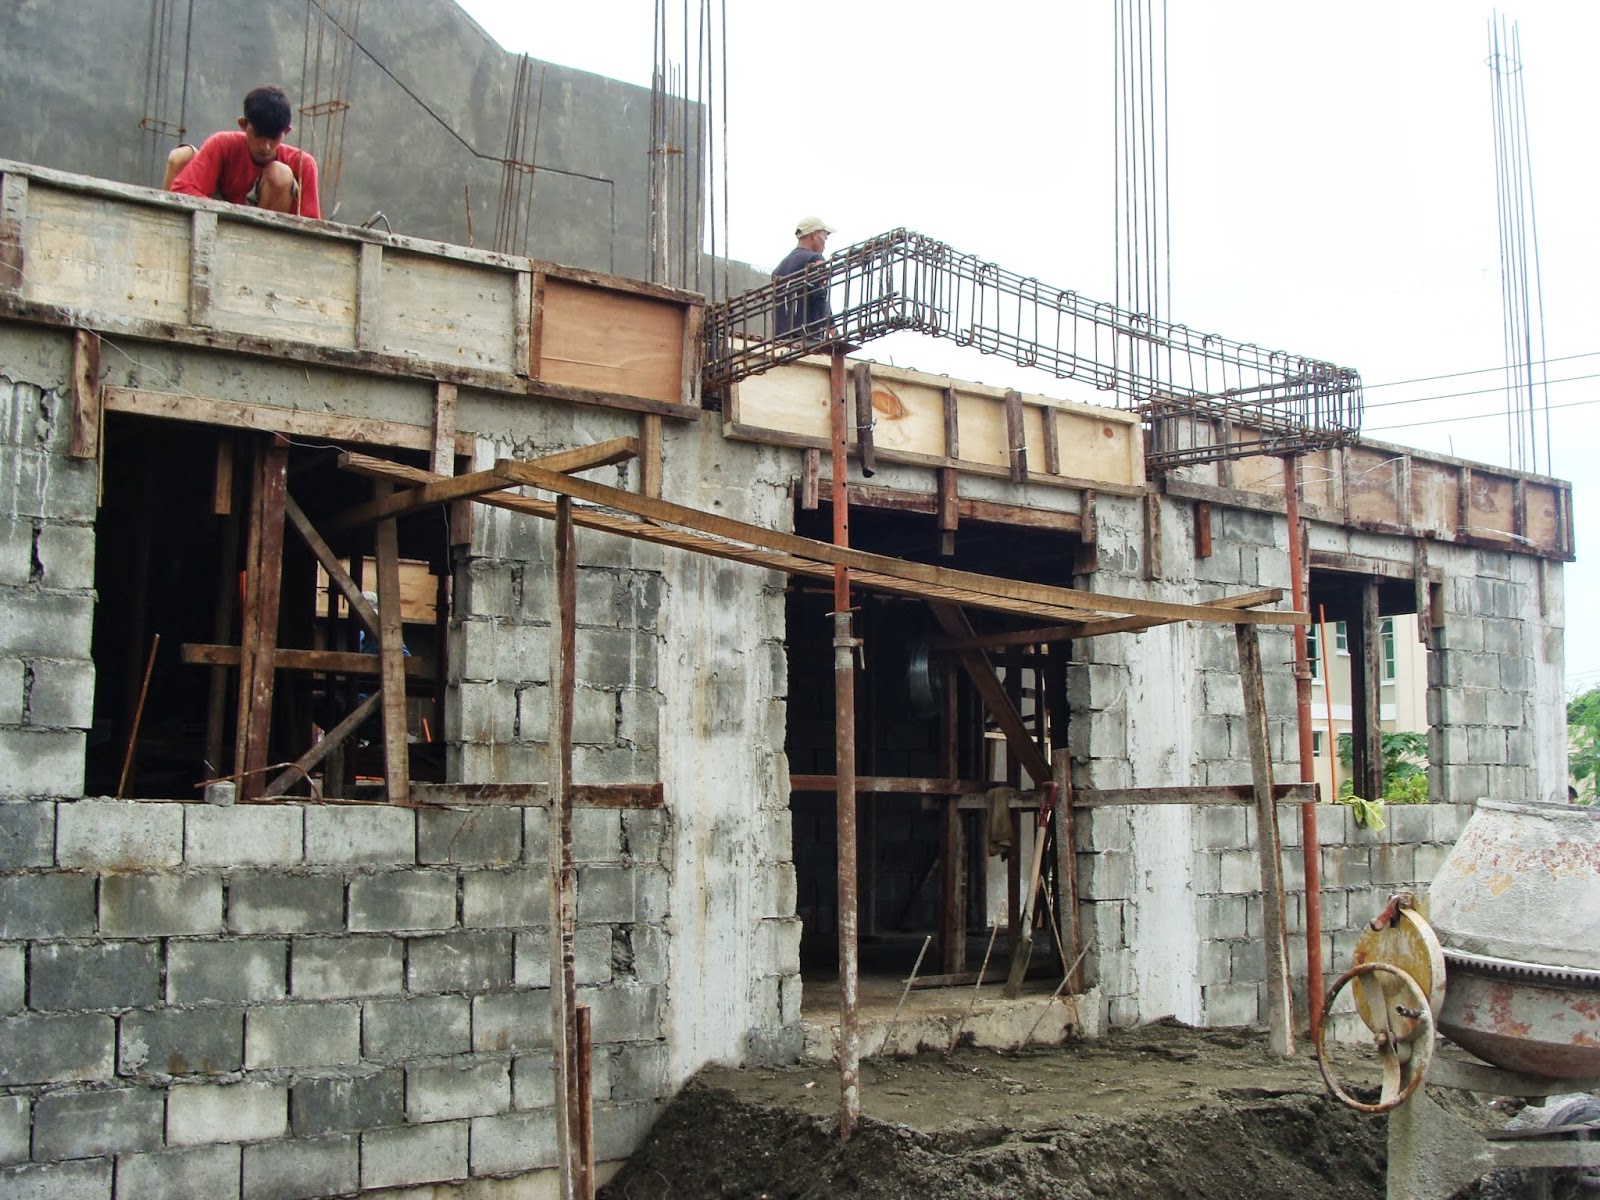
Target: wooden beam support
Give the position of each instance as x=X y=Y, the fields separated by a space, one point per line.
x=369 y=297
x=1202 y=529
x=406 y=501
x=952 y=429
x=328 y=662
x=13 y=213
x=396 y=740
x=222 y=477
x=650 y=455
x=1240 y=793
x=884 y=785
x=1052 y=441
x=340 y=577
x=1086 y=561
x=1152 y=535
x=861 y=378
x=952 y=835
x=1280 y=1030
x=87 y=407
x=1367 y=698
x=1071 y=923
x=949 y=509
x=810 y=480
x=1094 y=628
x=522 y=323
x=442 y=460
x=333 y=740
x=263 y=589
x=1016 y=437
x=536 y=326
x=563 y=876
x=202 y=264
x=1019 y=741
x=586 y=458
x=949 y=506
x=724 y=527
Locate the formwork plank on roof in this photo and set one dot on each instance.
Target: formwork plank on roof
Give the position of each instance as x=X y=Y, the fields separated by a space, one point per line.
x=611 y=341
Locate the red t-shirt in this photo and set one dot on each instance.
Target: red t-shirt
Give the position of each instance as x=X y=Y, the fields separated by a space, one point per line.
x=223 y=170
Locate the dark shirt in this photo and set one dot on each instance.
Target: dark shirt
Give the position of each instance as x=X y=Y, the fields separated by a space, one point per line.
x=802 y=310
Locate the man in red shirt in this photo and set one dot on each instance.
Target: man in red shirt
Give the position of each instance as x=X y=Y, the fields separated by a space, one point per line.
x=251 y=166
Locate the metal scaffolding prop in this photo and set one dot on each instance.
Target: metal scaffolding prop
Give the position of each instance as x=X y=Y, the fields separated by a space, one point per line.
x=1205 y=397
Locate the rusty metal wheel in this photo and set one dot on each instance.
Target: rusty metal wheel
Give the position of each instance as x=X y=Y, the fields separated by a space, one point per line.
x=1405 y=1045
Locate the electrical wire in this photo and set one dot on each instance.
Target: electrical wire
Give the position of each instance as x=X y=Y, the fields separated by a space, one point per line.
x=1471 y=417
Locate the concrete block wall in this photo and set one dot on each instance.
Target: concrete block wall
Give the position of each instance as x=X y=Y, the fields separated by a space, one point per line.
x=47 y=510
x=367 y=1010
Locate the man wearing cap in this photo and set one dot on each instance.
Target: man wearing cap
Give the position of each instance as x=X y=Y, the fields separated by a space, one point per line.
x=803 y=310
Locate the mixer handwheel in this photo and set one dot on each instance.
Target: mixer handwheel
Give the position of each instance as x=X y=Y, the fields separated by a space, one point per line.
x=1405 y=1046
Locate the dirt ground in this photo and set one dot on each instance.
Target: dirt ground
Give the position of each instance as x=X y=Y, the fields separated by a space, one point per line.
x=1159 y=1111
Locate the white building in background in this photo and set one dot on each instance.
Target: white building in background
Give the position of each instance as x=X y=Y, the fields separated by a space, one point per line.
x=1404 y=707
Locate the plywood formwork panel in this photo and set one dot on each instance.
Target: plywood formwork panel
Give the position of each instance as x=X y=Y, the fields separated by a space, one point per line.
x=611 y=340
x=1491 y=506
x=1371 y=478
x=270 y=283
x=907 y=415
x=447 y=311
x=1544 y=520
x=1095 y=446
x=1435 y=496
x=91 y=252
x=1259 y=473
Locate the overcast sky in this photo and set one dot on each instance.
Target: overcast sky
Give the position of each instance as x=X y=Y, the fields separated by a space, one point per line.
x=1332 y=179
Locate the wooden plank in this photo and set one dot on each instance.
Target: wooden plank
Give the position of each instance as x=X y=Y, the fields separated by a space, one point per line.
x=369 y=297
x=586 y=458
x=1403 y=491
x=650 y=455
x=1019 y=741
x=537 y=795
x=952 y=835
x=563 y=881
x=536 y=325
x=952 y=424
x=443 y=461
x=1067 y=633
x=1070 y=920
x=693 y=351
x=222 y=477
x=1052 y=441
x=1202 y=529
x=955 y=508
x=1280 y=1031
x=84 y=437
x=1224 y=793
x=1367 y=700
x=263 y=591
x=267 y=418
x=861 y=378
x=612 y=341
x=449 y=312
x=1419 y=549
x=13 y=215
x=391 y=653
x=522 y=323
x=276 y=284
x=1152 y=536
x=1016 y=438
x=403 y=503
x=202 y=265
x=810 y=476
x=331 y=662
x=724 y=527
x=331 y=741
x=949 y=502
x=1086 y=559
x=900 y=785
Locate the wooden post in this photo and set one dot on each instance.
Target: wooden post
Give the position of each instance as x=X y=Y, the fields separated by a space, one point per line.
x=391 y=652
x=1016 y=438
x=1368 y=725
x=1152 y=534
x=1067 y=867
x=227 y=599
x=259 y=633
x=84 y=440
x=952 y=842
x=563 y=874
x=949 y=514
x=861 y=376
x=810 y=479
x=1280 y=1033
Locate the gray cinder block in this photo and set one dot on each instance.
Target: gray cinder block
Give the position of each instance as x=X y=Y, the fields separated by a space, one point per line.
x=480 y=835
x=46 y=906
x=364 y=835
x=27 y=834
x=160 y=905
x=416 y=1154
x=513 y=1142
x=232 y=972
x=238 y=1112
x=331 y=968
x=300 y=1170
x=401 y=900
x=94 y=976
x=449 y=1091
x=459 y=962
x=266 y=902
x=119 y=835
x=93 y=1124
x=209 y=1171
x=355 y=1102
x=56 y=1048
x=416 y=1026
x=178 y=1041
x=86 y=1179
x=302 y=1035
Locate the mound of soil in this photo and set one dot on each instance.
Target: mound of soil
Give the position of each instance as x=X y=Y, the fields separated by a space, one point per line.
x=1162 y=1111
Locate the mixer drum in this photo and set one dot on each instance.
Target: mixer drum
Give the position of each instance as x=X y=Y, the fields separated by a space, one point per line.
x=1517 y=907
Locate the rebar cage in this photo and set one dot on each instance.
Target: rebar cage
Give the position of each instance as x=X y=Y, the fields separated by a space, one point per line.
x=1205 y=397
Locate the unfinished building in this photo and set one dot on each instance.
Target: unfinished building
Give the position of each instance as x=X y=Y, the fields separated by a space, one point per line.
x=555 y=814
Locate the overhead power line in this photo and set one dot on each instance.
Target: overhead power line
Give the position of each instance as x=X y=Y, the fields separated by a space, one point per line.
x=1472 y=416
x=1479 y=371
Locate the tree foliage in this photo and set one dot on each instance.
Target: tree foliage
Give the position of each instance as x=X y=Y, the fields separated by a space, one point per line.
x=1583 y=735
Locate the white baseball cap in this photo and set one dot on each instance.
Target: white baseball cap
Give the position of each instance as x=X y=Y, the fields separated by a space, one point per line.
x=810 y=225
